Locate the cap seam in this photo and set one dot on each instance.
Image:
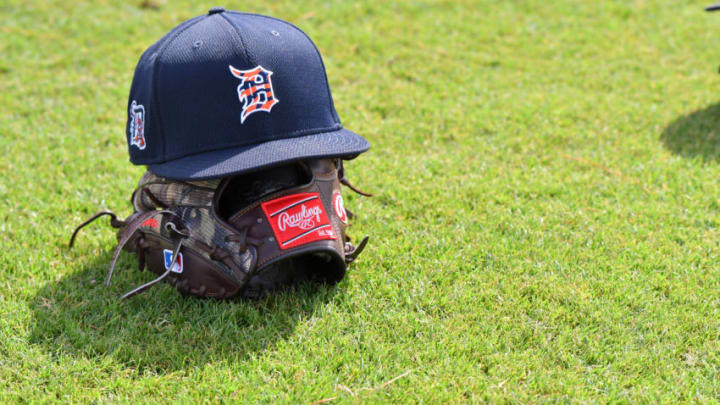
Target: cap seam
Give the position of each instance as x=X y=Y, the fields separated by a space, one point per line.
x=155 y=71
x=248 y=55
x=242 y=41
x=317 y=52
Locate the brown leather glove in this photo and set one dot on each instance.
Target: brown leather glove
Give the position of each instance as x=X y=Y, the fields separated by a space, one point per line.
x=244 y=235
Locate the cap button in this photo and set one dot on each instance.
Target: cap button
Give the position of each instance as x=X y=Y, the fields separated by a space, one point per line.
x=216 y=10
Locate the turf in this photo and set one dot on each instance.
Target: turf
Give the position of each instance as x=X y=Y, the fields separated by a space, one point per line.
x=545 y=226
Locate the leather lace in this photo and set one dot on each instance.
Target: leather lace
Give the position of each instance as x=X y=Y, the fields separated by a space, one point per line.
x=243 y=240
x=130 y=228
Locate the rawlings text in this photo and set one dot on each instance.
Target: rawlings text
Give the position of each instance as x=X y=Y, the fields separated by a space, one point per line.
x=298 y=219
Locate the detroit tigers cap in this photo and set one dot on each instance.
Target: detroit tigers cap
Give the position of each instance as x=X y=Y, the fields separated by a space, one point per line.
x=229 y=92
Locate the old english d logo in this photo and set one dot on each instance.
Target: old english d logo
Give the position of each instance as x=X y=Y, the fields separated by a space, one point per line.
x=137 y=125
x=298 y=219
x=254 y=91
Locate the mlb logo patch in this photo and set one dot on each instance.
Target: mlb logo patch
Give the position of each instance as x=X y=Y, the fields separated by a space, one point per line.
x=178 y=267
x=255 y=90
x=137 y=125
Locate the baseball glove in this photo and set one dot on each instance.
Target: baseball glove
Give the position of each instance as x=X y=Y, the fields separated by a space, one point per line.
x=244 y=235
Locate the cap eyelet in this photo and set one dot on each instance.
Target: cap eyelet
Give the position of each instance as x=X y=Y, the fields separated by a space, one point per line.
x=197 y=44
x=277 y=34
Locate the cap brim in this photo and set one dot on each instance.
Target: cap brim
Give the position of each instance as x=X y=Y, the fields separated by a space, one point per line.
x=221 y=163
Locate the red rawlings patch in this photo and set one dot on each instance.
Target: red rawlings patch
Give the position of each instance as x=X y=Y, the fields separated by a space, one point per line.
x=298 y=219
x=151 y=222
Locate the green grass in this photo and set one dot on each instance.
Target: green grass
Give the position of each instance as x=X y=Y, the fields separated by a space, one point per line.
x=546 y=225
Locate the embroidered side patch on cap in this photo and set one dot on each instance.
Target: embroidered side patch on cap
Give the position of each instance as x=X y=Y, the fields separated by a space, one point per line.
x=137 y=125
x=298 y=219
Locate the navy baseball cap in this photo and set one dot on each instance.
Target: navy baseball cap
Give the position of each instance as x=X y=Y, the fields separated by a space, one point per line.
x=228 y=92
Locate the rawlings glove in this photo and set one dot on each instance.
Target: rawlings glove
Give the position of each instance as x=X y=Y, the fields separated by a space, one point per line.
x=243 y=235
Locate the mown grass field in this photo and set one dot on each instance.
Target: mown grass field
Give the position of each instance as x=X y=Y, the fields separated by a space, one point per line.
x=545 y=226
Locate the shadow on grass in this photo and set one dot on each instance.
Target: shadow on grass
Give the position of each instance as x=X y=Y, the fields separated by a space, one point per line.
x=695 y=134
x=160 y=331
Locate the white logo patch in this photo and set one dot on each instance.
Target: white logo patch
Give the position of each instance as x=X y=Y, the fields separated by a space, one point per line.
x=339 y=206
